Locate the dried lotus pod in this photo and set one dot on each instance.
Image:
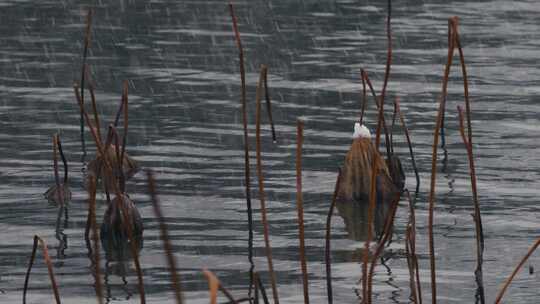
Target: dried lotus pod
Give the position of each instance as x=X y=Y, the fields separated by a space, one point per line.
x=114 y=230
x=130 y=167
x=354 y=190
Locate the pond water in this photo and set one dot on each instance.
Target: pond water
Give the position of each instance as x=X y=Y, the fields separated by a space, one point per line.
x=185 y=124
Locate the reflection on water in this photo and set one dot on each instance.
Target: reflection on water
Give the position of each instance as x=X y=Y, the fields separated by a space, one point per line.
x=181 y=62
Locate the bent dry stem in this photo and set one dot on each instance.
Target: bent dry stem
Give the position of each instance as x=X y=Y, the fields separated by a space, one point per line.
x=518 y=267
x=431 y=198
x=246 y=148
x=214 y=285
x=267 y=246
x=83 y=72
x=468 y=143
x=47 y=259
x=476 y=215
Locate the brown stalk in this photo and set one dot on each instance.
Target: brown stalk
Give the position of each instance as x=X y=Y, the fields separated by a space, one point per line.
x=246 y=147
x=476 y=216
x=215 y=285
x=95 y=237
x=468 y=143
x=386 y=72
x=92 y=88
x=59 y=194
x=327 y=250
x=99 y=146
x=175 y=278
x=47 y=259
x=409 y=142
x=300 y=206
x=516 y=270
x=59 y=190
x=122 y=181
x=387 y=232
x=259 y=283
x=83 y=72
x=410 y=248
x=256 y=289
x=268 y=104
x=124 y=138
x=120 y=107
x=434 y=161
x=371 y=208
x=364 y=97
x=268 y=247
x=63 y=157
x=385 y=128
x=365 y=287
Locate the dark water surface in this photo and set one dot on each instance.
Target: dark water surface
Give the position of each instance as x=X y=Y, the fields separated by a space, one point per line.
x=185 y=124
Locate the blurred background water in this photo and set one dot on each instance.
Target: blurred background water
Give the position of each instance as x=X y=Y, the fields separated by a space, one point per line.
x=185 y=124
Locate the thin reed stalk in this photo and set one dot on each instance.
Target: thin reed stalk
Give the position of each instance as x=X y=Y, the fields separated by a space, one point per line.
x=516 y=270
x=215 y=285
x=431 y=198
x=380 y=117
x=175 y=278
x=371 y=214
x=268 y=104
x=95 y=237
x=364 y=97
x=259 y=283
x=327 y=249
x=59 y=192
x=410 y=248
x=59 y=189
x=468 y=143
x=300 y=207
x=47 y=259
x=92 y=88
x=388 y=65
x=120 y=107
x=246 y=147
x=256 y=289
x=122 y=181
x=476 y=216
x=387 y=232
x=409 y=143
x=83 y=72
x=365 y=286
x=63 y=157
x=267 y=246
